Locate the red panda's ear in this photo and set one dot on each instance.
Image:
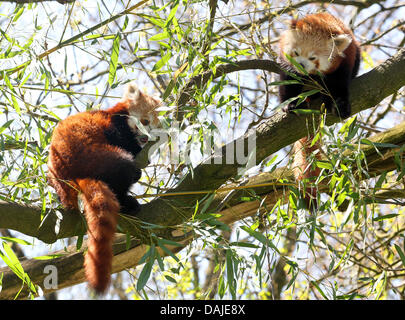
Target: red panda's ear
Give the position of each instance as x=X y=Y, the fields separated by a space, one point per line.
x=132 y=92
x=342 y=41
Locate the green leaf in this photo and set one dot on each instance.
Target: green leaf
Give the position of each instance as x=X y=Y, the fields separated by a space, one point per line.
x=12 y=93
x=299 y=67
x=144 y=276
x=345 y=253
x=285 y=103
x=207 y=203
x=144 y=257
x=171 y=15
x=170 y=242
x=6 y=125
x=260 y=237
x=324 y=165
x=381 y=180
x=285 y=82
x=18 y=14
x=12 y=261
x=160 y=36
x=218 y=224
x=167 y=251
x=49 y=256
x=308 y=93
x=169 y=89
x=319 y=290
x=401 y=253
x=345 y=127
x=162 y=61
x=14 y=264
x=125 y=23
x=243 y=244
x=160 y=261
x=291 y=282
x=94 y=36
x=79 y=242
x=306 y=111
x=5 y=35
x=170 y=279
x=386 y=216
x=380 y=284
x=378 y=144
x=16 y=240
x=114 y=59
x=315 y=139
x=230 y=273
x=127 y=241
x=155 y=20
x=271 y=161
x=221 y=287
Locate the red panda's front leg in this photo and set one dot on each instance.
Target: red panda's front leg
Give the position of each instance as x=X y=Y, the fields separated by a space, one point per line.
x=288 y=91
x=338 y=84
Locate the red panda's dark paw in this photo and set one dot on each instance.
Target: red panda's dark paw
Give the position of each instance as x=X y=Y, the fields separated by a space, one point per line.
x=129 y=205
x=136 y=175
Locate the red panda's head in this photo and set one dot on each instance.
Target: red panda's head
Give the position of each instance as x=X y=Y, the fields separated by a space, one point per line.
x=142 y=109
x=315 y=44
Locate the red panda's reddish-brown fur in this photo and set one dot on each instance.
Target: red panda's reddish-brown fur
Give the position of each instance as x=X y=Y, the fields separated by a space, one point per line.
x=101 y=209
x=92 y=155
x=315 y=28
x=324 y=25
x=322 y=44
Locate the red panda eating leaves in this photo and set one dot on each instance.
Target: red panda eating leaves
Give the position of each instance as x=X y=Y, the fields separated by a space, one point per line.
x=329 y=54
x=92 y=155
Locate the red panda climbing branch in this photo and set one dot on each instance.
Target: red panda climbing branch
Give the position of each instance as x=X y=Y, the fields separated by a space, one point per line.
x=92 y=155
x=328 y=51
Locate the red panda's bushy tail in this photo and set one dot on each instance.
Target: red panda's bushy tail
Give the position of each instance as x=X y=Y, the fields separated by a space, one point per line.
x=101 y=209
x=302 y=168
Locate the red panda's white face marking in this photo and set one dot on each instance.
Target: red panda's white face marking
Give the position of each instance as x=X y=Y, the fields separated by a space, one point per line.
x=143 y=116
x=314 y=52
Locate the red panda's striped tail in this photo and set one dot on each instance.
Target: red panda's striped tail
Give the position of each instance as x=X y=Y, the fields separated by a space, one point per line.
x=302 y=168
x=101 y=209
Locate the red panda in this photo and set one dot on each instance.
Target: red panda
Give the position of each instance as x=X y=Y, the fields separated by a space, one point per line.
x=328 y=51
x=92 y=155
